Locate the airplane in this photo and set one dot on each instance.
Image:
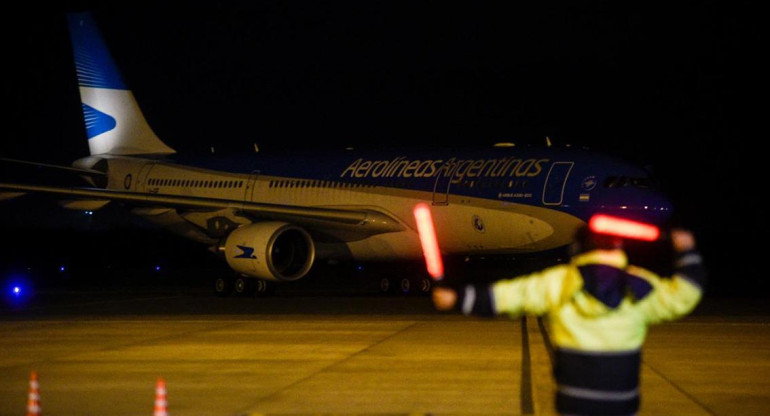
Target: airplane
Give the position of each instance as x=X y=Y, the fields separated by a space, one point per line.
x=271 y=217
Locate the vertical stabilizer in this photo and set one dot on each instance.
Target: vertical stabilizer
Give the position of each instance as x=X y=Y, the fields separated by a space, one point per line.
x=114 y=122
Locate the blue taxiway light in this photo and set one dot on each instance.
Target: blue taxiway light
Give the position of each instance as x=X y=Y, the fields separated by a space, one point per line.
x=16 y=289
x=16 y=292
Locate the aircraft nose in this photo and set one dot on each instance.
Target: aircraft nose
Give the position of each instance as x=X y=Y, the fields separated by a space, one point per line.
x=659 y=210
x=651 y=207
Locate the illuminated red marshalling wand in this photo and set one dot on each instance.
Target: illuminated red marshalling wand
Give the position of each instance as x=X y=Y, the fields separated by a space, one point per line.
x=620 y=227
x=429 y=241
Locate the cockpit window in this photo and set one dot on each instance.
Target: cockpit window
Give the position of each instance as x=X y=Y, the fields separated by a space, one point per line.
x=625 y=181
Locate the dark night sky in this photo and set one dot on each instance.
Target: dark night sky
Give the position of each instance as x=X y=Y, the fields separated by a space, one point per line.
x=674 y=85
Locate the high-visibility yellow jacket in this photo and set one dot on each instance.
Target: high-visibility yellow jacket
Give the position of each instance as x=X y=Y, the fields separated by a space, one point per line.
x=598 y=308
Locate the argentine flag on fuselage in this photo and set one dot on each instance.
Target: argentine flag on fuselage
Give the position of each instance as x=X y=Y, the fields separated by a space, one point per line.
x=114 y=122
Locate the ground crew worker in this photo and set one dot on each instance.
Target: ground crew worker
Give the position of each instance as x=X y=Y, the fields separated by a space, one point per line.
x=598 y=308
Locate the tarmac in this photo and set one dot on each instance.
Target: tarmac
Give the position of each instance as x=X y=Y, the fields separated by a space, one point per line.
x=298 y=354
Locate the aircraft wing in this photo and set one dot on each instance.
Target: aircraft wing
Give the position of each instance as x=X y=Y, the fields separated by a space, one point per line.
x=364 y=221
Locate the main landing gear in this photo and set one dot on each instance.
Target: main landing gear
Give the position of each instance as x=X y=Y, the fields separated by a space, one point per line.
x=241 y=286
x=405 y=285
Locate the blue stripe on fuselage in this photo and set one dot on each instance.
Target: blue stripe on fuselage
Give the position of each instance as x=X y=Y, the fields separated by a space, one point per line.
x=382 y=168
x=510 y=175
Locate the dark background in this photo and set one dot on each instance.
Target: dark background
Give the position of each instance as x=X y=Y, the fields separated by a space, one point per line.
x=676 y=86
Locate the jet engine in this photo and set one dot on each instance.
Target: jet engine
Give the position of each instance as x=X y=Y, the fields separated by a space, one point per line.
x=275 y=251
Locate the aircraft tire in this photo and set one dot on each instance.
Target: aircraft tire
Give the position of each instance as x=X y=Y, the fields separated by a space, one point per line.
x=425 y=285
x=244 y=286
x=405 y=285
x=385 y=285
x=223 y=286
x=263 y=288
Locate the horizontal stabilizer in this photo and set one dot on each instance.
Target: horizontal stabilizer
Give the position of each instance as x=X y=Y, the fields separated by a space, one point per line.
x=79 y=171
x=4 y=196
x=83 y=204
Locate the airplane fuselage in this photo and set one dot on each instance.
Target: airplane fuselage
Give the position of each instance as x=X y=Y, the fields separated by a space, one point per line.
x=496 y=200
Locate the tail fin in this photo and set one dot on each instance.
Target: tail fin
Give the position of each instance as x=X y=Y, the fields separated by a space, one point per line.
x=114 y=122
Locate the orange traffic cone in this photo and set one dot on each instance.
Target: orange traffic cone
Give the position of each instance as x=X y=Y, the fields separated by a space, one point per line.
x=160 y=398
x=33 y=401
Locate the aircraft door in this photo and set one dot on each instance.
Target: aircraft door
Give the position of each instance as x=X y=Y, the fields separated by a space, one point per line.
x=251 y=183
x=140 y=185
x=553 y=192
x=441 y=187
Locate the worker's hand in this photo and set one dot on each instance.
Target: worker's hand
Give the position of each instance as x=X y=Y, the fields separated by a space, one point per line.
x=682 y=240
x=444 y=299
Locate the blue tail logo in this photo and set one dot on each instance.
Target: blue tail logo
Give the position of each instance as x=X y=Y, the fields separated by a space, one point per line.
x=97 y=122
x=246 y=253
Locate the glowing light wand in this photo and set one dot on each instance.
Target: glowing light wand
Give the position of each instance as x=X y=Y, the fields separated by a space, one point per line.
x=621 y=227
x=429 y=241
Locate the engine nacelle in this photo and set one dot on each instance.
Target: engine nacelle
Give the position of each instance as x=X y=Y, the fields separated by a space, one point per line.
x=270 y=250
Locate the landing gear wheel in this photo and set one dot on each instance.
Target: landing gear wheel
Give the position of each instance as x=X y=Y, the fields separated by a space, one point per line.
x=223 y=286
x=425 y=285
x=406 y=285
x=263 y=287
x=244 y=286
x=384 y=285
